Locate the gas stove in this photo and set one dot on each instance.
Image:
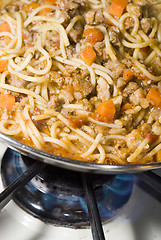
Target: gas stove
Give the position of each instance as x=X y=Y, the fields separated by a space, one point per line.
x=138 y=219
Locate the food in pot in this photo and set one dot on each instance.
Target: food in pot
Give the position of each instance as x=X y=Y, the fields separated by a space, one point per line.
x=81 y=78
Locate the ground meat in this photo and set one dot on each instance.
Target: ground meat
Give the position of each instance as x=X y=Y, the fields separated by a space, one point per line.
x=17 y=82
x=144 y=103
x=157 y=64
x=99 y=47
x=134 y=139
x=66 y=96
x=156 y=113
x=138 y=73
x=15 y=7
x=121 y=82
x=114 y=36
x=28 y=36
x=136 y=96
x=55 y=103
x=130 y=88
x=99 y=18
x=103 y=89
x=82 y=87
x=40 y=124
x=121 y=150
x=128 y=23
x=87 y=105
x=134 y=8
x=75 y=35
x=70 y=51
x=84 y=73
x=94 y=101
x=49 y=45
x=116 y=68
x=146 y=24
x=127 y=121
x=77 y=31
x=70 y=8
x=127 y=62
x=56 y=79
x=89 y=17
x=67 y=5
x=143 y=53
x=156 y=128
x=140 y=2
x=117 y=101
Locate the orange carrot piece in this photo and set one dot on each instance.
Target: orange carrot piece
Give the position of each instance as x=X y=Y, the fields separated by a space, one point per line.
x=5 y=27
x=158 y=156
x=47 y=10
x=88 y=55
x=30 y=7
x=128 y=75
x=3 y=65
x=7 y=101
x=106 y=111
x=50 y=2
x=126 y=106
x=155 y=96
x=93 y=35
x=117 y=7
x=44 y=11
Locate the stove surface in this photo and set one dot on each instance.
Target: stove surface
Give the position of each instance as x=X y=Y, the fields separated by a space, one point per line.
x=139 y=219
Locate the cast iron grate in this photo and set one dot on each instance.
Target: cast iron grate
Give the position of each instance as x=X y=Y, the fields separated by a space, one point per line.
x=150 y=179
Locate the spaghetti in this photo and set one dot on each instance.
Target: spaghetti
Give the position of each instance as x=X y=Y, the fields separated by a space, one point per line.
x=81 y=80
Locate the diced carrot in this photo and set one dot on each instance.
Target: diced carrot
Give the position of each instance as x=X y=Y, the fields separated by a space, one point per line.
x=88 y=55
x=47 y=10
x=5 y=27
x=7 y=101
x=3 y=65
x=7 y=40
x=126 y=106
x=128 y=75
x=155 y=96
x=158 y=156
x=152 y=137
x=50 y=2
x=30 y=7
x=93 y=35
x=106 y=111
x=117 y=7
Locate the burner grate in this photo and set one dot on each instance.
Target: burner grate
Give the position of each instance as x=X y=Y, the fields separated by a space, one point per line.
x=120 y=186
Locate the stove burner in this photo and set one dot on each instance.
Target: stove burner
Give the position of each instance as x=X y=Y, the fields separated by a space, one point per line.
x=56 y=195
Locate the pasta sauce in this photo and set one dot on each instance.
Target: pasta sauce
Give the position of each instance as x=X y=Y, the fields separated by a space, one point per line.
x=82 y=78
